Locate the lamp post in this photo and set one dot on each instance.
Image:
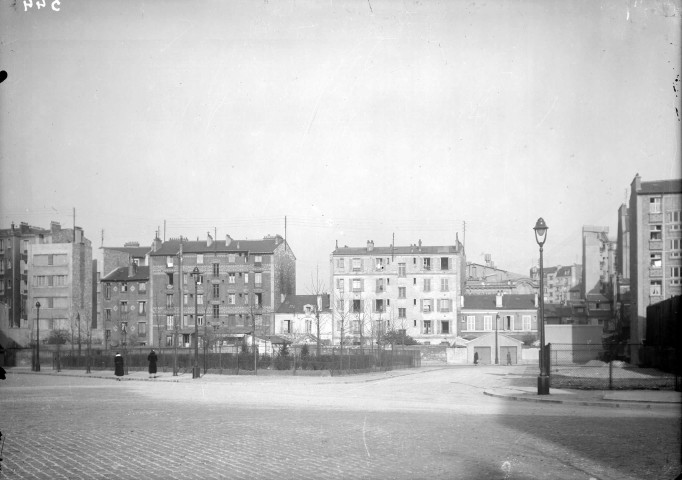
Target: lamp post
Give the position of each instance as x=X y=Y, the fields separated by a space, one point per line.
x=195 y=370
x=497 y=322
x=37 y=366
x=543 y=380
x=78 y=320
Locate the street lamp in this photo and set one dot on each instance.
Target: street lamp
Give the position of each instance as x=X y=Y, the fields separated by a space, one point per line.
x=497 y=322
x=195 y=369
x=37 y=366
x=543 y=380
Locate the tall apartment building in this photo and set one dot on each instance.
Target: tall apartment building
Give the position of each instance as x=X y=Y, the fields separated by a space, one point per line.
x=655 y=215
x=126 y=306
x=239 y=281
x=414 y=288
x=558 y=282
x=487 y=279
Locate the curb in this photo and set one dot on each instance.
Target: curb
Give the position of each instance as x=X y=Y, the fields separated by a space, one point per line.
x=90 y=375
x=585 y=403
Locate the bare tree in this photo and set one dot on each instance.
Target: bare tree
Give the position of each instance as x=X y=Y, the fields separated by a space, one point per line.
x=318 y=289
x=342 y=316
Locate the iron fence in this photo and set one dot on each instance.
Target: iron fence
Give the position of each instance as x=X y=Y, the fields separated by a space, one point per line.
x=595 y=366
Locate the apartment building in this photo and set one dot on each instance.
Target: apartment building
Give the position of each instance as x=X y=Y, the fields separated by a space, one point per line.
x=486 y=279
x=296 y=319
x=239 y=282
x=412 y=288
x=599 y=261
x=655 y=216
x=126 y=306
x=60 y=276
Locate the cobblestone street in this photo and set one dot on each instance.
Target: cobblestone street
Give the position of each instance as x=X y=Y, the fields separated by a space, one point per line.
x=423 y=424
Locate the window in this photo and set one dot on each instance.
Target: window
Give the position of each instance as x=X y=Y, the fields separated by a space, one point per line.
x=445 y=327
x=200 y=258
x=401 y=270
x=246 y=298
x=675 y=272
x=308 y=326
x=427 y=263
x=142 y=328
x=427 y=284
x=185 y=339
x=655 y=205
x=357 y=264
x=216 y=290
x=258 y=278
x=231 y=299
x=675 y=216
x=471 y=322
x=124 y=287
x=216 y=311
x=444 y=305
x=246 y=279
x=487 y=322
x=427 y=305
x=379 y=306
x=340 y=264
x=231 y=278
x=656 y=260
x=357 y=285
x=169 y=340
x=170 y=322
x=402 y=312
x=141 y=308
x=169 y=300
x=199 y=279
x=444 y=285
x=379 y=264
x=107 y=314
x=427 y=326
x=340 y=284
x=231 y=257
x=169 y=261
x=655 y=232
x=216 y=269
x=526 y=322
x=357 y=306
x=402 y=292
x=107 y=290
x=380 y=285
x=675 y=246
x=170 y=278
x=444 y=263
x=286 y=326
x=341 y=305
x=655 y=288
x=258 y=260
x=258 y=299
x=142 y=287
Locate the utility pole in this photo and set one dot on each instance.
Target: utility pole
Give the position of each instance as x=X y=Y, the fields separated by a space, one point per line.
x=176 y=321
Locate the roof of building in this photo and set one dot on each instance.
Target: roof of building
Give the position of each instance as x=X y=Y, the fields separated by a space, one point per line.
x=266 y=245
x=550 y=270
x=661 y=186
x=387 y=251
x=121 y=275
x=488 y=302
x=296 y=303
x=557 y=310
x=132 y=251
x=564 y=271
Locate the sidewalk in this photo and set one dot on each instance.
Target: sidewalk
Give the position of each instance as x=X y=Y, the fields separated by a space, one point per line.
x=646 y=399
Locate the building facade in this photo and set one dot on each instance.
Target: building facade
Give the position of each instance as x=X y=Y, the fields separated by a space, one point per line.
x=240 y=283
x=487 y=279
x=297 y=318
x=655 y=217
x=125 y=307
x=513 y=315
x=412 y=289
x=599 y=260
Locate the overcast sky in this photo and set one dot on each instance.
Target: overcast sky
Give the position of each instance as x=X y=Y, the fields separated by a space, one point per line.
x=355 y=119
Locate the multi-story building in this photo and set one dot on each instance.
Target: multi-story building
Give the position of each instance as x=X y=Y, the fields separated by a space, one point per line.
x=117 y=257
x=60 y=277
x=558 y=281
x=599 y=255
x=297 y=319
x=655 y=215
x=126 y=306
x=413 y=288
x=239 y=282
x=514 y=315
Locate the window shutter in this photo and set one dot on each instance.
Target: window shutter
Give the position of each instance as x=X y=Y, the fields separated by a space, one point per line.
x=362 y=306
x=362 y=285
x=421 y=304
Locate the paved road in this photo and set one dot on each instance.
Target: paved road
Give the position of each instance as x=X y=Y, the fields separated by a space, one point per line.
x=423 y=424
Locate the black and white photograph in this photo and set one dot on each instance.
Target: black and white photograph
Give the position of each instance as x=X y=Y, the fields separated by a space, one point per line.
x=340 y=239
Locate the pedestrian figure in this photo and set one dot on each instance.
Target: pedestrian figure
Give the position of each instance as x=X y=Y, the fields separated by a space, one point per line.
x=118 y=366
x=475 y=358
x=151 y=358
x=509 y=358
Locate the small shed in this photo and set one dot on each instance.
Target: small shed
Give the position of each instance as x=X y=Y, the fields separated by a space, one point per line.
x=485 y=347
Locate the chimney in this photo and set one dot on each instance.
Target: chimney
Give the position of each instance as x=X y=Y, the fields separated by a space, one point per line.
x=131 y=244
x=156 y=244
x=55 y=226
x=498 y=299
x=132 y=269
x=420 y=244
x=228 y=240
x=370 y=245
x=209 y=239
x=536 y=300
